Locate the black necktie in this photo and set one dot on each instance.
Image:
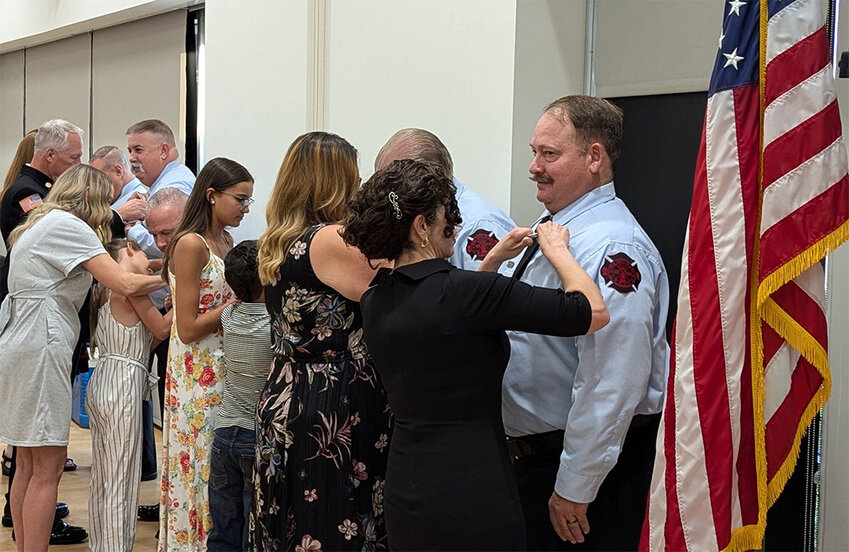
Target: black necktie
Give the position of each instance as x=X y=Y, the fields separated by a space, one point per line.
x=529 y=253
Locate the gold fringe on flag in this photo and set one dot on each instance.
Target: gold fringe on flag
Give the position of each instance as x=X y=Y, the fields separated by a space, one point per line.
x=802 y=262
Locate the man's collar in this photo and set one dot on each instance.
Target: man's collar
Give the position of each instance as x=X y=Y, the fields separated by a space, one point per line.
x=37 y=175
x=129 y=188
x=460 y=188
x=594 y=197
x=416 y=271
x=168 y=166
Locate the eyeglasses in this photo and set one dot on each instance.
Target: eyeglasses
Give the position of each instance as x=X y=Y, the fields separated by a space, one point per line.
x=244 y=202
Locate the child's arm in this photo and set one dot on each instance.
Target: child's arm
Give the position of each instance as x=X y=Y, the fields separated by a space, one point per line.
x=159 y=324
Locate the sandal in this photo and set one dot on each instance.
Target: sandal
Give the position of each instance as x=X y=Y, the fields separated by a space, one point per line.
x=7 y=464
x=70 y=465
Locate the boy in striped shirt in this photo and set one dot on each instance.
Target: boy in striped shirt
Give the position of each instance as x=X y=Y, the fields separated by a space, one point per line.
x=247 y=357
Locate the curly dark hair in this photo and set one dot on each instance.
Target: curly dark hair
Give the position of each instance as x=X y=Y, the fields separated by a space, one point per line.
x=419 y=189
x=240 y=271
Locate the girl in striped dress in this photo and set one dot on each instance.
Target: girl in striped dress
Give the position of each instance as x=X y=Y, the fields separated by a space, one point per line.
x=123 y=330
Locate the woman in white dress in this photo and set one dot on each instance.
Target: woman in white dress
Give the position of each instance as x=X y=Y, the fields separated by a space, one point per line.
x=54 y=255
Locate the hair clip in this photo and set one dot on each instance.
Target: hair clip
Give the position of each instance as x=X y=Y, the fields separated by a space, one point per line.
x=393 y=199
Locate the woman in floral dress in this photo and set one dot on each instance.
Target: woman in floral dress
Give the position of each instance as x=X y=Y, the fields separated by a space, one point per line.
x=323 y=425
x=194 y=379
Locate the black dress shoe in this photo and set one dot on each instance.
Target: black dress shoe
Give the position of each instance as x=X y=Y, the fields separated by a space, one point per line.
x=62 y=533
x=149 y=513
x=62 y=510
x=7 y=464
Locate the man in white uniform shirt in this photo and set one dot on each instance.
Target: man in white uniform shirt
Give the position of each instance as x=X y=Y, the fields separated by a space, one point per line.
x=581 y=413
x=483 y=223
x=114 y=163
x=153 y=158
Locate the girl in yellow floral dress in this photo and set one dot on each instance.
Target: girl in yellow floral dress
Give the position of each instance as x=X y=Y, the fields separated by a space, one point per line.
x=194 y=380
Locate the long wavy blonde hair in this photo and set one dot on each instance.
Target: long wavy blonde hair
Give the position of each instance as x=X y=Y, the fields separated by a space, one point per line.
x=317 y=179
x=23 y=155
x=81 y=190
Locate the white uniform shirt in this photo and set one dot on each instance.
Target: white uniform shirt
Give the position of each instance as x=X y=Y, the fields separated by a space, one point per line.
x=483 y=226
x=593 y=385
x=173 y=175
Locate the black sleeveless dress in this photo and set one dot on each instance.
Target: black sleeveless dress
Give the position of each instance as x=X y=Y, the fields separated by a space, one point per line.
x=323 y=425
x=437 y=337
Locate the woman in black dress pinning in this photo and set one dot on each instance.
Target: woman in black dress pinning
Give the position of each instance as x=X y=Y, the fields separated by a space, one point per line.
x=437 y=337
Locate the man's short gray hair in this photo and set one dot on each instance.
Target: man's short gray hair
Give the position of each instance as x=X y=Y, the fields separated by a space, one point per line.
x=416 y=144
x=156 y=127
x=54 y=134
x=113 y=155
x=170 y=196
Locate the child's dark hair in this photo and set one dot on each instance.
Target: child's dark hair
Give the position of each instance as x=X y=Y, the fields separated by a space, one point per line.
x=114 y=248
x=240 y=271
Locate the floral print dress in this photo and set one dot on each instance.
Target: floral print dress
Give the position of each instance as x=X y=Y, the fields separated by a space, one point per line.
x=323 y=424
x=193 y=384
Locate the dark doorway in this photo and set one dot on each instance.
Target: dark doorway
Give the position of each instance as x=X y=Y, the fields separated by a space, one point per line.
x=194 y=44
x=654 y=176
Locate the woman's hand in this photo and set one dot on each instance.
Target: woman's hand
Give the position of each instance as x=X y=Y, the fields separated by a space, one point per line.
x=554 y=243
x=508 y=247
x=553 y=239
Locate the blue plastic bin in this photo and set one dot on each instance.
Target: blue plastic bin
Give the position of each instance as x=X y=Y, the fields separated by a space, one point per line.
x=78 y=411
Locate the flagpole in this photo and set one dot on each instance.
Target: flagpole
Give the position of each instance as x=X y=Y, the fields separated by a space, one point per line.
x=590 y=29
x=832 y=25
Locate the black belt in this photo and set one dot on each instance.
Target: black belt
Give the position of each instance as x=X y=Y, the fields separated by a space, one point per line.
x=538 y=443
x=535 y=443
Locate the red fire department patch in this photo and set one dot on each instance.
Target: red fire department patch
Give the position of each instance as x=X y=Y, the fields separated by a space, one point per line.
x=480 y=243
x=620 y=272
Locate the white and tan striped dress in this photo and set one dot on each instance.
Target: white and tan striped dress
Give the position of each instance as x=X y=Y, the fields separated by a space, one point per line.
x=113 y=400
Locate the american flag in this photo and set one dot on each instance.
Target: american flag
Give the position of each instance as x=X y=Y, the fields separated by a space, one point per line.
x=749 y=368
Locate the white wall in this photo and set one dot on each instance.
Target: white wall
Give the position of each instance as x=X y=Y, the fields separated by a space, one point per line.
x=834 y=476
x=27 y=23
x=672 y=52
x=60 y=65
x=138 y=72
x=256 y=90
x=449 y=70
x=11 y=106
x=549 y=63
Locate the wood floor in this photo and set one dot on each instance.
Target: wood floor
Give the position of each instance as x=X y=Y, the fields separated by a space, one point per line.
x=73 y=489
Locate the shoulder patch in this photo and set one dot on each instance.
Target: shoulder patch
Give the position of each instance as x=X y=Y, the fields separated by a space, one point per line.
x=480 y=243
x=30 y=202
x=621 y=273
